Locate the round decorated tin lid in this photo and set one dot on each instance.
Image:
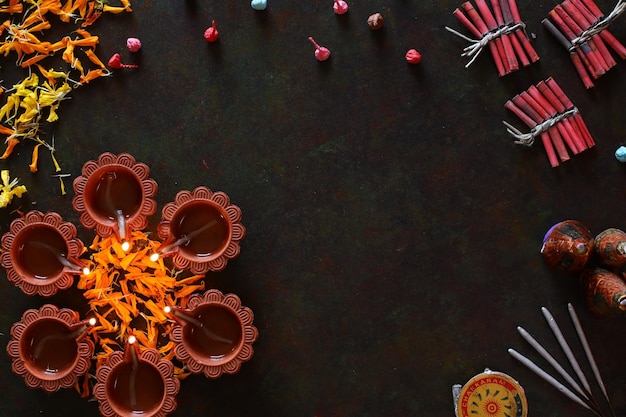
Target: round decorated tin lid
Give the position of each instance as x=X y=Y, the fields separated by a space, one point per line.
x=492 y=394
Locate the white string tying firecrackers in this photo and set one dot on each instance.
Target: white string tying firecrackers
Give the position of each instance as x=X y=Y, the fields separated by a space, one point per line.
x=528 y=139
x=477 y=45
x=598 y=26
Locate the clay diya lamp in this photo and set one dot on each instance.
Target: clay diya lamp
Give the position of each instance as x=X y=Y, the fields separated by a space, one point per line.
x=49 y=349
x=136 y=383
x=214 y=335
x=114 y=195
x=201 y=230
x=40 y=253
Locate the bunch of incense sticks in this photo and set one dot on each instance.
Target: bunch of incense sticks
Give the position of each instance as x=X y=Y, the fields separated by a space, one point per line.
x=578 y=391
x=550 y=114
x=581 y=28
x=500 y=28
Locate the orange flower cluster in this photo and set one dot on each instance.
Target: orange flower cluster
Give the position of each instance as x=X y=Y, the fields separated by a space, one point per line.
x=128 y=292
x=33 y=100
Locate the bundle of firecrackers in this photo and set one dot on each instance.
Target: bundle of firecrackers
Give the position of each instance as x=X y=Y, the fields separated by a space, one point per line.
x=551 y=115
x=501 y=29
x=579 y=25
x=34 y=101
x=582 y=28
x=569 y=247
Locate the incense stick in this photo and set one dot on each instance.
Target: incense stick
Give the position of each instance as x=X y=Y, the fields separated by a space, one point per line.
x=566 y=349
x=590 y=358
x=544 y=353
x=550 y=379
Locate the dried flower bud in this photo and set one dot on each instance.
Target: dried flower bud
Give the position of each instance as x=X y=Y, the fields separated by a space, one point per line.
x=413 y=57
x=133 y=44
x=375 y=21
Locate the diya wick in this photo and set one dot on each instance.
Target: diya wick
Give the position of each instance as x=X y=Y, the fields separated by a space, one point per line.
x=111 y=207
x=78 y=331
x=168 y=248
x=131 y=350
x=183 y=318
x=63 y=260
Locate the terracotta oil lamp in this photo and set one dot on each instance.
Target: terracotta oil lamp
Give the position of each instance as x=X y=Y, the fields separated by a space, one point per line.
x=40 y=253
x=201 y=230
x=214 y=335
x=48 y=347
x=136 y=383
x=114 y=195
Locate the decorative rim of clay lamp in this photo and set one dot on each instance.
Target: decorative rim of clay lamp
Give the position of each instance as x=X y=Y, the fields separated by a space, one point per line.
x=91 y=175
x=164 y=367
x=28 y=283
x=39 y=379
x=231 y=363
x=231 y=213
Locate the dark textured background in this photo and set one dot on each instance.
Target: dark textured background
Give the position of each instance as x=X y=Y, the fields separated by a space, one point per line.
x=393 y=226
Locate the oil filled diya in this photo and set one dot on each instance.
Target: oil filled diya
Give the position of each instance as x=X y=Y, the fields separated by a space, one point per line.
x=49 y=349
x=40 y=253
x=201 y=230
x=114 y=195
x=136 y=383
x=214 y=335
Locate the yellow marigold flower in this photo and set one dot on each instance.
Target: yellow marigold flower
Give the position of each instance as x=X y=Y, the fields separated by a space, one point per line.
x=8 y=188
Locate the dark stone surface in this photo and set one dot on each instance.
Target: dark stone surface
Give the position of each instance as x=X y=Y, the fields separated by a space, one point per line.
x=393 y=228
